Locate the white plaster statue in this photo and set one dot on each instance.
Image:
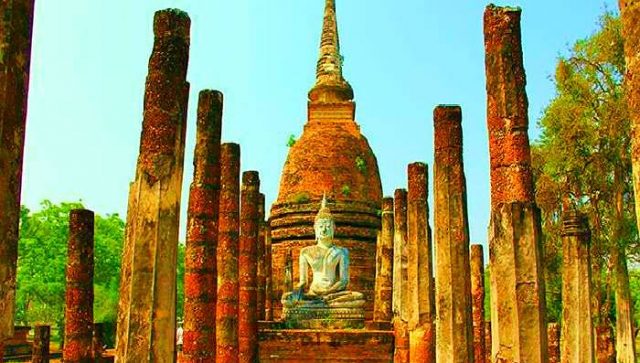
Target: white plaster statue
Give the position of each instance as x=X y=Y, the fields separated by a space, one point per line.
x=330 y=267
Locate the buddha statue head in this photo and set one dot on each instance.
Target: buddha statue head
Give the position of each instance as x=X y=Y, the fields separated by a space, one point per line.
x=324 y=225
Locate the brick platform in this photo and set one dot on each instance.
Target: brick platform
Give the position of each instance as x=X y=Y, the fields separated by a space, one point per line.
x=285 y=345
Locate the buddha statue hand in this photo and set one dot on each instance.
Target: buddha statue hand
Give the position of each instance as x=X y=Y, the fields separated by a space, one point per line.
x=344 y=299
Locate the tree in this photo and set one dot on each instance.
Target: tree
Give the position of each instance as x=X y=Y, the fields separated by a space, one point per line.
x=582 y=161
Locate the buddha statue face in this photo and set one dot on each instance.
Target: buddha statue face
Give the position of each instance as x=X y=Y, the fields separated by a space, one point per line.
x=324 y=225
x=324 y=229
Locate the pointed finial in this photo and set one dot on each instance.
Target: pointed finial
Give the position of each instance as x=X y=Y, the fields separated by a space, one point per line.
x=330 y=85
x=324 y=212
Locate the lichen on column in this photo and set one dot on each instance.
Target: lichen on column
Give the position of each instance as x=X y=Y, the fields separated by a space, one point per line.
x=78 y=311
x=228 y=255
x=200 y=277
x=517 y=283
x=248 y=266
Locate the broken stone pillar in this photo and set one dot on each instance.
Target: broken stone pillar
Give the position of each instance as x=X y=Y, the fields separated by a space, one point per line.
x=553 y=336
x=487 y=341
x=453 y=285
x=400 y=277
x=384 y=265
x=477 y=298
x=262 y=277
x=605 y=344
x=268 y=304
x=16 y=26
x=78 y=311
x=517 y=284
x=200 y=277
x=147 y=305
x=41 y=340
x=421 y=291
x=248 y=266
x=577 y=326
x=228 y=254
x=630 y=17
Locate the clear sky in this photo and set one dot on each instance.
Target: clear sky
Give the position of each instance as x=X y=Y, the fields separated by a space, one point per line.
x=89 y=64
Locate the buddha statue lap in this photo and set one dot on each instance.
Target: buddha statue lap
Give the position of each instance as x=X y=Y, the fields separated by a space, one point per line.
x=325 y=302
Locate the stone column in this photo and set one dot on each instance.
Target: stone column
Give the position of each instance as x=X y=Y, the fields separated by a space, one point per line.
x=453 y=281
x=384 y=265
x=421 y=291
x=605 y=345
x=553 y=337
x=78 y=311
x=477 y=298
x=262 y=277
x=630 y=17
x=41 y=340
x=578 y=341
x=268 y=305
x=517 y=284
x=487 y=341
x=16 y=26
x=147 y=305
x=228 y=252
x=248 y=266
x=200 y=277
x=400 y=278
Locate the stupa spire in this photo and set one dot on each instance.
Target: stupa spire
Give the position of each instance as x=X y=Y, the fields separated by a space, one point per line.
x=330 y=85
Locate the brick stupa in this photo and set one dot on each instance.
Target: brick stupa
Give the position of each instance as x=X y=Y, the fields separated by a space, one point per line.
x=331 y=157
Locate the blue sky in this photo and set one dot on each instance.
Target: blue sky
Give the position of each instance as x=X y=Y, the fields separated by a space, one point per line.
x=89 y=64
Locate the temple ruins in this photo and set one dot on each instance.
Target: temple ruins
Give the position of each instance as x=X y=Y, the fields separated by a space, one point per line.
x=333 y=270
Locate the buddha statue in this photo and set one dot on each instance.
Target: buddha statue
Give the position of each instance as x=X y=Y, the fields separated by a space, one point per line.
x=326 y=296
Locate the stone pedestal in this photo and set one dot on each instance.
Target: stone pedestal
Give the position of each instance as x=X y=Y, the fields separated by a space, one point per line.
x=286 y=345
x=323 y=318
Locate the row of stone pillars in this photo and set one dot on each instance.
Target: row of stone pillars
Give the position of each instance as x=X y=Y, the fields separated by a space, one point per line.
x=576 y=341
x=226 y=267
x=518 y=329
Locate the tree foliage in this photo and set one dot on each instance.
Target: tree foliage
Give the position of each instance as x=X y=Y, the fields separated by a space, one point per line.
x=582 y=160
